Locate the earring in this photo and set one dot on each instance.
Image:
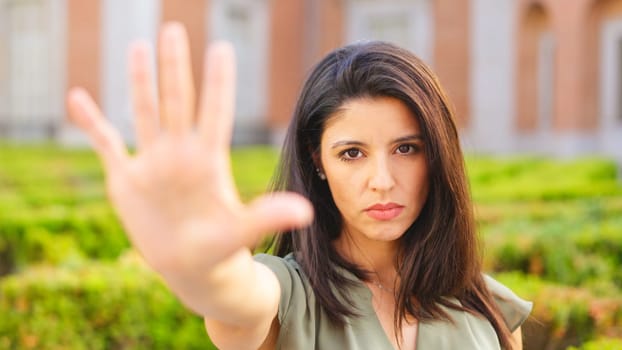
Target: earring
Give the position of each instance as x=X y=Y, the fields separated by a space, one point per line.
x=320 y=174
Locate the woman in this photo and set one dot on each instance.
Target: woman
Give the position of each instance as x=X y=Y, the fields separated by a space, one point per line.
x=390 y=259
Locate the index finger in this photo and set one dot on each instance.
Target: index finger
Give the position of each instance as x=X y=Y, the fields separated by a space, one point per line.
x=217 y=102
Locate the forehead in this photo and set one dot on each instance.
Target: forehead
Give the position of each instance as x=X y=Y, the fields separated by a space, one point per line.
x=371 y=118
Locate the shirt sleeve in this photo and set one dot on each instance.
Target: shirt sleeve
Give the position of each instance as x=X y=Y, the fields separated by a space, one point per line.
x=514 y=309
x=294 y=292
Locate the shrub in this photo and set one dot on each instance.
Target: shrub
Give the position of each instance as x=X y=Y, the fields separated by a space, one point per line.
x=56 y=235
x=94 y=306
x=53 y=208
x=528 y=178
x=565 y=229
x=562 y=315
x=600 y=344
x=252 y=169
x=578 y=249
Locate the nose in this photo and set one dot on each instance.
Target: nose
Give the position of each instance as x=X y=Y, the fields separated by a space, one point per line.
x=381 y=177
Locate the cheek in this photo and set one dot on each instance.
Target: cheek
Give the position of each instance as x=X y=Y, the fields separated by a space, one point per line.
x=346 y=190
x=414 y=177
x=342 y=192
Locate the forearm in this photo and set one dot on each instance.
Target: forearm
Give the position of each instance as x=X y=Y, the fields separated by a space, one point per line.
x=238 y=292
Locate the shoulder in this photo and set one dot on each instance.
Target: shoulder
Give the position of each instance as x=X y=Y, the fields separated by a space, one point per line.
x=286 y=269
x=471 y=331
x=281 y=266
x=298 y=311
x=269 y=259
x=295 y=287
x=514 y=309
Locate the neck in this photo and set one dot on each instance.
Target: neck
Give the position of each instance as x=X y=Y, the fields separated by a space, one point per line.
x=377 y=257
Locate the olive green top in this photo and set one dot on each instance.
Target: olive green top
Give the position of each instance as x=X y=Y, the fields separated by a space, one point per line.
x=304 y=325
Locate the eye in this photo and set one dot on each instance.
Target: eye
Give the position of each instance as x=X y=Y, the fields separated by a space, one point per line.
x=351 y=154
x=406 y=149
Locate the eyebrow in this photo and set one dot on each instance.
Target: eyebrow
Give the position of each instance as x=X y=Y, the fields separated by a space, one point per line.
x=407 y=138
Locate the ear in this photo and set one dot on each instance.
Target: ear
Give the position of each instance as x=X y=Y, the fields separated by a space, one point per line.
x=317 y=159
x=317 y=163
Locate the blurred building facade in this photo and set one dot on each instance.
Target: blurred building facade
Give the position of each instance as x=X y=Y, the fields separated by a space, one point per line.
x=524 y=75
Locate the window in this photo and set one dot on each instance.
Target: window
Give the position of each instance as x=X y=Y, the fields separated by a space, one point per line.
x=611 y=74
x=244 y=23
x=28 y=70
x=390 y=27
x=405 y=23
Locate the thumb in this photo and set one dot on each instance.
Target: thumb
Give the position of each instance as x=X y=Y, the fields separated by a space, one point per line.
x=277 y=212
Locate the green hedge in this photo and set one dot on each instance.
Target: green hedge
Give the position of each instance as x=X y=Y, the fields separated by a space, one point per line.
x=563 y=315
x=124 y=306
x=559 y=221
x=583 y=248
x=53 y=207
x=57 y=235
x=601 y=344
x=118 y=305
x=42 y=176
x=529 y=178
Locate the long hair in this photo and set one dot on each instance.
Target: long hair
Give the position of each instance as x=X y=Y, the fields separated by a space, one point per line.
x=438 y=260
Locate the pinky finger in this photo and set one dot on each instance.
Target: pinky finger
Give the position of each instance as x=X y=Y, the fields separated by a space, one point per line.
x=85 y=114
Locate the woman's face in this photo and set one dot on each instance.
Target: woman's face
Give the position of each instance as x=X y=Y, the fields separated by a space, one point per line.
x=372 y=152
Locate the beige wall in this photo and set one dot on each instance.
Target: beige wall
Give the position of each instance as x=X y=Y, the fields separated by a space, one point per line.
x=301 y=32
x=193 y=14
x=571 y=85
x=84 y=45
x=451 y=53
x=286 y=59
x=331 y=29
x=599 y=11
x=575 y=25
x=533 y=23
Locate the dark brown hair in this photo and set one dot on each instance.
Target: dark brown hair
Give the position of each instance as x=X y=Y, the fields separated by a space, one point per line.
x=439 y=253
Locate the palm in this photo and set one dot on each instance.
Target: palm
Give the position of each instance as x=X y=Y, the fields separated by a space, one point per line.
x=176 y=196
x=183 y=191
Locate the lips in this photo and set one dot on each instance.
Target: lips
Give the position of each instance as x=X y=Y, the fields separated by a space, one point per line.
x=384 y=212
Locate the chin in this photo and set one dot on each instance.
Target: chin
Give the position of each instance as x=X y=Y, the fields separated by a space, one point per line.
x=386 y=235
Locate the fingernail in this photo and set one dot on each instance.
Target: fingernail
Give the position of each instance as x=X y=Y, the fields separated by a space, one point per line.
x=173 y=30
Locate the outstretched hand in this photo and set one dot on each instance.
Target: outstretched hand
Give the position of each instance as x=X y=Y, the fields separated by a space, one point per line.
x=176 y=197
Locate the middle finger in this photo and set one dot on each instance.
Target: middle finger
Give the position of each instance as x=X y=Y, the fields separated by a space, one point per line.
x=143 y=95
x=176 y=85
